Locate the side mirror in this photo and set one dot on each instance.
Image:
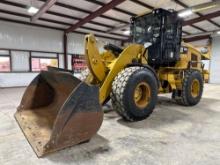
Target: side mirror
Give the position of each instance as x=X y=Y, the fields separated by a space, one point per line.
x=147 y=44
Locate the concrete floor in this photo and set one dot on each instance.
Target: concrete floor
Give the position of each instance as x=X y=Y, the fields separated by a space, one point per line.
x=171 y=135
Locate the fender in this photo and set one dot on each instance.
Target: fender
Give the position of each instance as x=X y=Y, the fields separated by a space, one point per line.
x=148 y=67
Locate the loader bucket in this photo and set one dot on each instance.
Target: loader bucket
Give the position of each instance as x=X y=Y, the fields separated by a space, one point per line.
x=57 y=111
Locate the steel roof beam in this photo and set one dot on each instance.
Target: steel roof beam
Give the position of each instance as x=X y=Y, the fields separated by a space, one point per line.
x=186 y=32
x=115 y=8
x=54 y=28
x=202 y=18
x=201 y=15
x=199 y=28
x=54 y=13
x=48 y=4
x=197 y=38
x=57 y=22
x=143 y=4
x=125 y=25
x=95 y=14
x=86 y=11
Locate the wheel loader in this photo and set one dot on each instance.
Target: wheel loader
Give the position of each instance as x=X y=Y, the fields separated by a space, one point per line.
x=58 y=110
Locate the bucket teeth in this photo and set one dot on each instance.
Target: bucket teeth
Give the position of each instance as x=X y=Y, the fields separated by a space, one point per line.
x=57 y=111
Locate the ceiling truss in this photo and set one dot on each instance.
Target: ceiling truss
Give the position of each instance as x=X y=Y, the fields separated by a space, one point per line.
x=99 y=13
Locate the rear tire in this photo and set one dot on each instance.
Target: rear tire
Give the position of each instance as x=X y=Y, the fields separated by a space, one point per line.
x=134 y=93
x=192 y=89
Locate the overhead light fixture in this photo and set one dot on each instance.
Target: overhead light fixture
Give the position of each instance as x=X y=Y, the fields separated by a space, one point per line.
x=33 y=10
x=185 y=13
x=218 y=32
x=127 y=32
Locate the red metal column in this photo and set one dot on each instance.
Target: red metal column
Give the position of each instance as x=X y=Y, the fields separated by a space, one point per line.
x=65 y=51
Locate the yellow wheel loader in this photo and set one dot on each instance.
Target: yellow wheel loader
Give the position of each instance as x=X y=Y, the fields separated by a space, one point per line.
x=58 y=110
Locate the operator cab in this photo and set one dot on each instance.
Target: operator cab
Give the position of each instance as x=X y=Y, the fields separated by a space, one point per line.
x=160 y=32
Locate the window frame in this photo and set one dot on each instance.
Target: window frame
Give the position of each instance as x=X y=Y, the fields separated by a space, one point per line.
x=10 y=62
x=30 y=51
x=42 y=57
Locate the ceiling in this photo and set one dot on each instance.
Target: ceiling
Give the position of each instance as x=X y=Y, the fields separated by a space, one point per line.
x=65 y=13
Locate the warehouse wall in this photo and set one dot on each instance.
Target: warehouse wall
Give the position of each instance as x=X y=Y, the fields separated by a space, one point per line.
x=215 y=61
x=17 y=36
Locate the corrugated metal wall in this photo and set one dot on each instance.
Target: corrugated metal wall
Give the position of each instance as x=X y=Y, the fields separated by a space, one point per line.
x=17 y=36
x=215 y=61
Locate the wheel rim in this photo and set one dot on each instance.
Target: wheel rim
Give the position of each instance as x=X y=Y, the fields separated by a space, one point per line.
x=195 y=88
x=142 y=95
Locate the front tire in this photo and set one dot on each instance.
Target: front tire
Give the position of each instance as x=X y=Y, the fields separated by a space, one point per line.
x=134 y=93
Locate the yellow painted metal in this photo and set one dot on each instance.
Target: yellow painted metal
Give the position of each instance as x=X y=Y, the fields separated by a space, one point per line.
x=125 y=58
x=94 y=60
x=108 y=57
x=193 y=51
x=142 y=94
x=174 y=75
x=105 y=67
x=195 y=88
x=206 y=75
x=196 y=53
x=183 y=62
x=168 y=75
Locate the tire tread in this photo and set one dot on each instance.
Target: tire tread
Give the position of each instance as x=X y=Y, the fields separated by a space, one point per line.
x=118 y=87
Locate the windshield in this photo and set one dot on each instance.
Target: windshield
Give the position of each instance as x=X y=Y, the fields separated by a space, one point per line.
x=146 y=28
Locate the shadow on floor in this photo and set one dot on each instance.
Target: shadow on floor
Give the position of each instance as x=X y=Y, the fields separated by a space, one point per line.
x=81 y=152
x=163 y=100
x=157 y=119
x=168 y=111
